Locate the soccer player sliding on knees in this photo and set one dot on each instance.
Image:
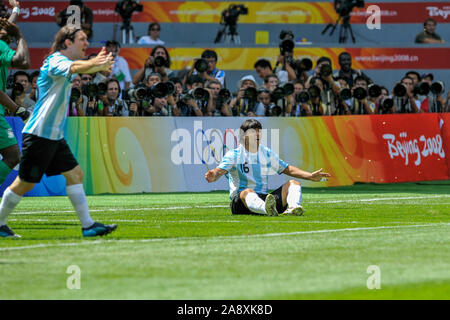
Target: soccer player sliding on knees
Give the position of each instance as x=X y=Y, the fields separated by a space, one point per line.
x=249 y=167
x=44 y=149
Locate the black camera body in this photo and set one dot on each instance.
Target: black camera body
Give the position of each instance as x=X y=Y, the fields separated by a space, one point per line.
x=201 y=65
x=92 y=90
x=344 y=7
x=287 y=41
x=125 y=9
x=231 y=15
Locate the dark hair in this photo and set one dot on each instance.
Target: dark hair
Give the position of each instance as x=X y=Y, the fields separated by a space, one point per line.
x=34 y=74
x=266 y=78
x=209 y=54
x=167 y=64
x=194 y=79
x=361 y=78
x=175 y=80
x=112 y=43
x=413 y=72
x=112 y=80
x=263 y=63
x=429 y=20
x=151 y=25
x=322 y=59
x=66 y=32
x=250 y=124
x=343 y=54
x=21 y=73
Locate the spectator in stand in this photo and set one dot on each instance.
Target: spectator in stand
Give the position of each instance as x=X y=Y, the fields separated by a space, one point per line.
x=151 y=67
x=15 y=5
x=154 y=30
x=428 y=35
x=346 y=72
x=87 y=17
x=120 y=71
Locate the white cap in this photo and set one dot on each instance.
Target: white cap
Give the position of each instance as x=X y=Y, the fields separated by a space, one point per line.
x=249 y=77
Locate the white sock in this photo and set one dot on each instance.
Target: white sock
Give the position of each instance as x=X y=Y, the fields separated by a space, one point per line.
x=76 y=194
x=294 y=196
x=9 y=202
x=255 y=203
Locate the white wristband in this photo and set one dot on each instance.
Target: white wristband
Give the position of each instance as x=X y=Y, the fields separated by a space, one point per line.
x=16 y=10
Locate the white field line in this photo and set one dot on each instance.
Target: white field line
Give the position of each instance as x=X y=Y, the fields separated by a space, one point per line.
x=266 y=235
x=227 y=206
x=180 y=221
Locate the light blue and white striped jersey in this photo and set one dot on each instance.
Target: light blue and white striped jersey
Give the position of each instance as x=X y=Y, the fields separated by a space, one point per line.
x=251 y=170
x=54 y=86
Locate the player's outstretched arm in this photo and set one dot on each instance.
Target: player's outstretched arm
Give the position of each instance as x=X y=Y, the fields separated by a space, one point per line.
x=214 y=174
x=102 y=62
x=315 y=176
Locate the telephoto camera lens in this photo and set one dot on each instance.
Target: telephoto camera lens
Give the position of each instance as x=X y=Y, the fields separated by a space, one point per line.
x=224 y=95
x=386 y=104
x=325 y=70
x=102 y=88
x=75 y=94
x=17 y=89
x=159 y=61
x=170 y=87
x=302 y=97
x=437 y=88
x=374 y=91
x=159 y=90
x=250 y=94
x=200 y=94
x=90 y=90
x=137 y=93
x=277 y=94
x=314 y=91
x=201 y=65
x=359 y=93
x=399 y=90
x=345 y=94
x=422 y=89
x=288 y=89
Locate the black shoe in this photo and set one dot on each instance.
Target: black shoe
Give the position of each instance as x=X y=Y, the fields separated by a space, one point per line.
x=6 y=232
x=98 y=229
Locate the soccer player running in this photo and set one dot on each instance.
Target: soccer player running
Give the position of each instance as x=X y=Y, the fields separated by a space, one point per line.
x=44 y=149
x=249 y=167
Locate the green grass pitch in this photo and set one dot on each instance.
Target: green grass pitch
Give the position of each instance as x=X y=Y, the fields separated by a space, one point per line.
x=189 y=246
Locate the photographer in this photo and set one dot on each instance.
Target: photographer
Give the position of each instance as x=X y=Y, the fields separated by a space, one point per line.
x=361 y=101
x=87 y=17
x=403 y=96
x=206 y=68
x=263 y=68
x=157 y=62
x=18 y=92
x=265 y=104
x=186 y=106
x=346 y=72
x=298 y=100
x=244 y=103
x=112 y=104
x=120 y=71
x=385 y=104
x=78 y=102
x=330 y=89
x=219 y=99
x=285 y=58
x=314 y=105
